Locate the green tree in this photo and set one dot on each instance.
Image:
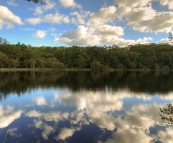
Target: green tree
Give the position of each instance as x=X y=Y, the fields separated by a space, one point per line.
x=80 y=62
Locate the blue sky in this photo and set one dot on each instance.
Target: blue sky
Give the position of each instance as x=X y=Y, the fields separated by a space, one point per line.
x=86 y=22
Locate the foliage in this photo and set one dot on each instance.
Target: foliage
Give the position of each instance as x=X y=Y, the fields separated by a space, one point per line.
x=166 y=113
x=141 y=57
x=38 y=1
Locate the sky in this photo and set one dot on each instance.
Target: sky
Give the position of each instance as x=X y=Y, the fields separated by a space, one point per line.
x=86 y=22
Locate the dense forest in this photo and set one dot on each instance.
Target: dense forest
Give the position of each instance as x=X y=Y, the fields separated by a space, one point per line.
x=152 y=56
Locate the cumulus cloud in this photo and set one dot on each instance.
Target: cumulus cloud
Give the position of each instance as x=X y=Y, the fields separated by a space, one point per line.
x=132 y=3
x=109 y=30
x=51 y=116
x=41 y=9
x=105 y=14
x=69 y=3
x=47 y=130
x=7 y=18
x=39 y=100
x=65 y=133
x=145 y=40
x=134 y=126
x=143 y=116
x=132 y=135
x=8 y=115
x=146 y=19
x=168 y=96
x=164 y=40
x=39 y=34
x=156 y=22
x=33 y=21
x=49 y=18
x=12 y=3
x=97 y=107
x=166 y=136
x=83 y=101
x=56 y=18
x=140 y=14
x=90 y=36
x=117 y=41
x=81 y=36
x=79 y=17
x=102 y=120
x=169 y=3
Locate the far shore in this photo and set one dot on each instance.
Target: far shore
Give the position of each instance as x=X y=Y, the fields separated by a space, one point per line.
x=76 y=69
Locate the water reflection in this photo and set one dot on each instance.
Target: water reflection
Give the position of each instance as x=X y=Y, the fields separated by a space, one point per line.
x=54 y=111
x=166 y=113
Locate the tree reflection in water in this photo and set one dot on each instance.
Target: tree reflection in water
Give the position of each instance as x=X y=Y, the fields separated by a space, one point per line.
x=166 y=113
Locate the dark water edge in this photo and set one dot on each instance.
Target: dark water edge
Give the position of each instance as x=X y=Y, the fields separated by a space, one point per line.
x=139 y=82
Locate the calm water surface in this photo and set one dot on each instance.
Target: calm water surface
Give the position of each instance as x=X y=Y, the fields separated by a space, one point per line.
x=84 y=107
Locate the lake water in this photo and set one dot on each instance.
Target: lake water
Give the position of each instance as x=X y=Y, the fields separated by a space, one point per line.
x=84 y=107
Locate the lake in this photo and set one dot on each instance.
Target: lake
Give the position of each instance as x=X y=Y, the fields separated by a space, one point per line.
x=84 y=107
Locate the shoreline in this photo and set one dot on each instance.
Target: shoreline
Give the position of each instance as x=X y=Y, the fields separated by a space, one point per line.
x=75 y=69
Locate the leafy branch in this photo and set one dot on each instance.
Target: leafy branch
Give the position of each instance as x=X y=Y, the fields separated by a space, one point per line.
x=166 y=113
x=38 y=1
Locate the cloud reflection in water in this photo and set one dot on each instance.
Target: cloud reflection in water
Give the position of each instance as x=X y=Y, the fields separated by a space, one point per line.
x=71 y=111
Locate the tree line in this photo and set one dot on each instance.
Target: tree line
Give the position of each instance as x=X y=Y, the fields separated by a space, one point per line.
x=153 y=56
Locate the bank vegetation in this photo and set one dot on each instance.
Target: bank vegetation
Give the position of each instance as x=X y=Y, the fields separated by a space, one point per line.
x=134 y=57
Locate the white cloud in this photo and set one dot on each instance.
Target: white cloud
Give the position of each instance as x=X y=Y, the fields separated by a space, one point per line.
x=81 y=36
x=8 y=116
x=105 y=14
x=39 y=34
x=164 y=40
x=39 y=100
x=11 y=3
x=109 y=30
x=144 y=40
x=146 y=19
x=90 y=36
x=98 y=102
x=47 y=130
x=65 y=133
x=49 y=18
x=102 y=120
x=140 y=14
x=132 y=135
x=56 y=18
x=161 y=22
x=117 y=41
x=166 y=136
x=69 y=3
x=132 y=3
x=41 y=9
x=169 y=3
x=79 y=17
x=33 y=21
x=51 y=116
x=7 y=18
x=38 y=11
